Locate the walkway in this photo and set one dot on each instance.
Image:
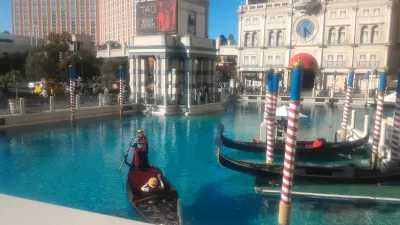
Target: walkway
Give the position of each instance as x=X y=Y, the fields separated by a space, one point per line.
x=19 y=211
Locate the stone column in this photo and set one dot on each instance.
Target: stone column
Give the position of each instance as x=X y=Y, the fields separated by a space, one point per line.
x=159 y=75
x=263 y=32
x=155 y=77
x=387 y=24
x=132 y=77
x=208 y=77
x=138 y=79
x=353 y=24
x=240 y=32
x=188 y=80
x=164 y=78
x=174 y=83
x=143 y=77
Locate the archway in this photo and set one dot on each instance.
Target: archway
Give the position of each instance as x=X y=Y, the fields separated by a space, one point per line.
x=310 y=65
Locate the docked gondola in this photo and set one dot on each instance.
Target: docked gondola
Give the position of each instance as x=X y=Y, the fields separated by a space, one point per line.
x=156 y=207
x=316 y=148
x=349 y=174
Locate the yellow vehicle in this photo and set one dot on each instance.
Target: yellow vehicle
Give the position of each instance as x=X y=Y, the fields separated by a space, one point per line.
x=49 y=83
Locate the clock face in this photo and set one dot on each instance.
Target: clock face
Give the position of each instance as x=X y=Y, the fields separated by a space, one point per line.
x=305 y=28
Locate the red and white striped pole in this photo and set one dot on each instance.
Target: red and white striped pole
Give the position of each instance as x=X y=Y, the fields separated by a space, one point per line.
x=121 y=86
x=285 y=206
x=366 y=88
x=270 y=119
x=396 y=120
x=378 y=119
x=72 y=92
x=343 y=133
x=264 y=124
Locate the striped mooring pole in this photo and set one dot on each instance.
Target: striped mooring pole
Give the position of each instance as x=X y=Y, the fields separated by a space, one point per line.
x=121 y=86
x=378 y=118
x=396 y=120
x=285 y=206
x=333 y=85
x=269 y=86
x=270 y=119
x=72 y=92
x=367 y=75
x=343 y=133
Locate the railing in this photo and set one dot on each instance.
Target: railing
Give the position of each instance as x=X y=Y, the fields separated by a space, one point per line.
x=274 y=65
x=263 y=6
x=335 y=64
x=368 y=64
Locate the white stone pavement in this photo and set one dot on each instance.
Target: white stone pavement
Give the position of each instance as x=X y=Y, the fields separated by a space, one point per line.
x=19 y=211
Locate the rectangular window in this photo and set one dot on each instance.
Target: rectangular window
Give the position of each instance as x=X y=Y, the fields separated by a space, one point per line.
x=192 y=23
x=333 y=14
x=278 y=60
x=280 y=18
x=377 y=12
x=342 y=14
x=270 y=60
x=366 y=12
x=253 y=60
x=246 y=60
x=271 y=19
x=255 y=20
x=247 y=21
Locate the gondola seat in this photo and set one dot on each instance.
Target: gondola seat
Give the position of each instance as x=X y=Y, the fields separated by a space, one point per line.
x=138 y=178
x=316 y=144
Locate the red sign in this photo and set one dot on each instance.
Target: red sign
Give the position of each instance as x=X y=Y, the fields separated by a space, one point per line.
x=156 y=17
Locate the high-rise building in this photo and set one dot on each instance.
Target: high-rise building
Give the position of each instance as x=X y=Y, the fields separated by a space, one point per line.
x=117 y=20
x=40 y=17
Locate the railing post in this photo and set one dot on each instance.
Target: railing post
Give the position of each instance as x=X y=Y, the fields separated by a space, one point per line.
x=52 y=108
x=101 y=100
x=78 y=101
x=22 y=106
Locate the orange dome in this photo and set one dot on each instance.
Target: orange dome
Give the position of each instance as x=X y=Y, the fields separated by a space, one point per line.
x=308 y=60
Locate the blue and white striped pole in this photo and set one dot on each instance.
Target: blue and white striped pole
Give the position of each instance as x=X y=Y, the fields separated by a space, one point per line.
x=343 y=133
x=272 y=115
x=285 y=207
x=378 y=118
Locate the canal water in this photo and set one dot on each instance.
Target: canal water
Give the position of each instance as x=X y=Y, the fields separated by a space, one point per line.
x=77 y=167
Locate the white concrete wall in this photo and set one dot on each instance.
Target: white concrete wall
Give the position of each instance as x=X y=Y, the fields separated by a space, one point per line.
x=183 y=7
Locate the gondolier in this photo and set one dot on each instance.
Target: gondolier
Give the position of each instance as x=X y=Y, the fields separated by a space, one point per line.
x=140 y=157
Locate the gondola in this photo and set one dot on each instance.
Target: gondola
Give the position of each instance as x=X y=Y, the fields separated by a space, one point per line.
x=159 y=207
x=303 y=149
x=349 y=174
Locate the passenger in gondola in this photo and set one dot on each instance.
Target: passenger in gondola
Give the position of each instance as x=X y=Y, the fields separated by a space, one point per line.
x=141 y=146
x=153 y=184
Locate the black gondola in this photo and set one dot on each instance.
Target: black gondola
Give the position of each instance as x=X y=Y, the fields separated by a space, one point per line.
x=349 y=174
x=159 y=207
x=304 y=148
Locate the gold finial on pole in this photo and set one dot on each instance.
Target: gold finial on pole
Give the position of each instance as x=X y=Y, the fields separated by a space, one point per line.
x=299 y=63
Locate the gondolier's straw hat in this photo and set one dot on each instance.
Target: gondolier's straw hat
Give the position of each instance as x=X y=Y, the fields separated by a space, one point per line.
x=140 y=132
x=153 y=181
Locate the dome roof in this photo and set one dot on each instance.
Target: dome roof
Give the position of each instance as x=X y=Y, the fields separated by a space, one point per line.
x=308 y=60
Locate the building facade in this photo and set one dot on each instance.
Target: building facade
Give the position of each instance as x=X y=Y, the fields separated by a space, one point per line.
x=332 y=36
x=40 y=17
x=117 y=21
x=16 y=43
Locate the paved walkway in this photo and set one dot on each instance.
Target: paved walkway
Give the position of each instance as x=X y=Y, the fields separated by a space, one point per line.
x=19 y=211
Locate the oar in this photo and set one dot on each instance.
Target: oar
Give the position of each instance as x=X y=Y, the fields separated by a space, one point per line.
x=129 y=147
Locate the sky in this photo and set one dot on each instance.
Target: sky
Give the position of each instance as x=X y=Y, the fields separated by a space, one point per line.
x=223 y=17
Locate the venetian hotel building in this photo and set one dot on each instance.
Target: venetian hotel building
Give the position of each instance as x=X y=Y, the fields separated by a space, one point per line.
x=329 y=35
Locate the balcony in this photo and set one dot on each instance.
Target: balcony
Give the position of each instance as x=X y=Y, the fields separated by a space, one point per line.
x=335 y=64
x=305 y=4
x=368 y=64
x=274 y=66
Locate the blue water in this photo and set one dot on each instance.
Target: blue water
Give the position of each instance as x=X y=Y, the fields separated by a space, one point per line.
x=77 y=167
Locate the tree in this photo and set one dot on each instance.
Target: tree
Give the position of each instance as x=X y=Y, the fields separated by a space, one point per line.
x=11 y=76
x=54 y=38
x=38 y=65
x=109 y=70
x=230 y=37
x=223 y=40
x=6 y=32
x=66 y=38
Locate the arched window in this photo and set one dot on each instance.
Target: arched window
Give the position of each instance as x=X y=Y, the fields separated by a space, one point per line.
x=332 y=36
x=364 y=34
x=279 y=38
x=375 y=34
x=342 y=35
x=255 y=39
x=247 y=40
x=271 y=39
